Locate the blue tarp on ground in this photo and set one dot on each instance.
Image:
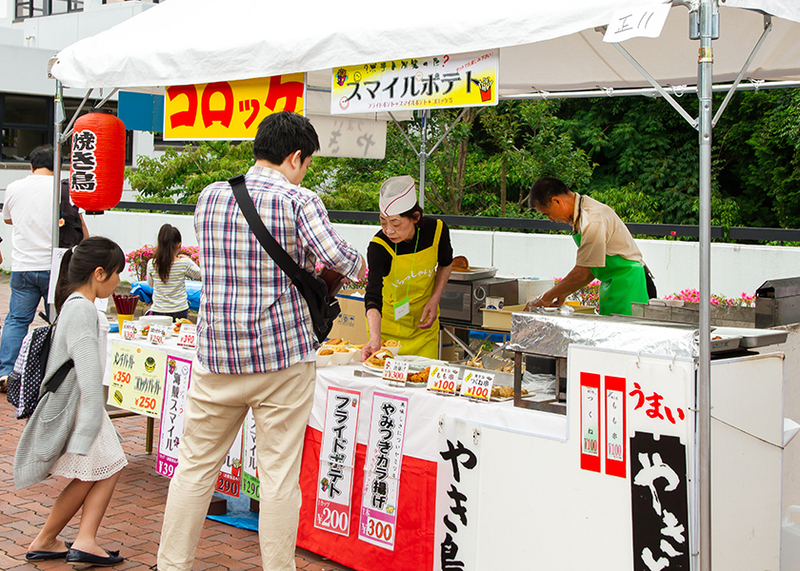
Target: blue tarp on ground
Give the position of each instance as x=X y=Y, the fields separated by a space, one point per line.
x=145 y=293
x=239 y=514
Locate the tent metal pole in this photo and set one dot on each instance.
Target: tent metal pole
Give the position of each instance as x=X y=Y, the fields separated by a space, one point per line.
x=704 y=80
x=767 y=30
x=58 y=118
x=423 y=155
x=656 y=85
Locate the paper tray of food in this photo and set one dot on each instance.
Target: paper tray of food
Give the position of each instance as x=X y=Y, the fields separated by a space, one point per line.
x=473 y=273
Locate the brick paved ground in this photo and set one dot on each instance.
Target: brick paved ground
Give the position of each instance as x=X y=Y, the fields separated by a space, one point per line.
x=133 y=520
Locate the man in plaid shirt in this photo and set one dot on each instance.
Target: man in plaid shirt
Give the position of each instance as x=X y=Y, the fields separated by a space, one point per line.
x=256 y=345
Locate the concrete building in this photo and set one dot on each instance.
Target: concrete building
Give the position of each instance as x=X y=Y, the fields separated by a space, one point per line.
x=31 y=32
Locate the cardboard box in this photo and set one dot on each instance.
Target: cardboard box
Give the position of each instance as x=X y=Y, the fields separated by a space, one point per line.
x=352 y=321
x=500 y=319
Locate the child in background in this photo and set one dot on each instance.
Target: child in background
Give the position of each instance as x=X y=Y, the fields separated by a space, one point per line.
x=70 y=434
x=167 y=271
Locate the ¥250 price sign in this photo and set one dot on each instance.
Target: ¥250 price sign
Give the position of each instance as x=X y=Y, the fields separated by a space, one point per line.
x=395 y=372
x=157 y=334
x=477 y=386
x=443 y=380
x=146 y=403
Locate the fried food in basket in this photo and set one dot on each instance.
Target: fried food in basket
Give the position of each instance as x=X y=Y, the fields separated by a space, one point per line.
x=505 y=392
x=334 y=341
x=420 y=377
x=340 y=349
x=391 y=343
x=324 y=352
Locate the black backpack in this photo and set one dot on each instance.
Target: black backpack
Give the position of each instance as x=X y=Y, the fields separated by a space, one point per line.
x=27 y=377
x=71 y=233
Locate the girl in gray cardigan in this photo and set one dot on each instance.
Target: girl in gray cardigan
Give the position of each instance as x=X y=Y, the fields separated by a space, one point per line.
x=70 y=433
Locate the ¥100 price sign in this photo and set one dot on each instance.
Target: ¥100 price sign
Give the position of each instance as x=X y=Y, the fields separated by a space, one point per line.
x=477 y=386
x=443 y=380
x=395 y=372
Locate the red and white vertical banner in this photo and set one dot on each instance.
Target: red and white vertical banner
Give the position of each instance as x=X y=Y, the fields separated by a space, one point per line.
x=387 y=427
x=337 y=457
x=170 y=431
x=457 y=485
x=590 y=421
x=250 y=481
x=615 y=435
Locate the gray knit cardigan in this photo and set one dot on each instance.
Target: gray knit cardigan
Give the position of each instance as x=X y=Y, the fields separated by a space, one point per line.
x=58 y=424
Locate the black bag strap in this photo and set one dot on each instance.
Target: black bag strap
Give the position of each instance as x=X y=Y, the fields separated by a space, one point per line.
x=265 y=238
x=51 y=385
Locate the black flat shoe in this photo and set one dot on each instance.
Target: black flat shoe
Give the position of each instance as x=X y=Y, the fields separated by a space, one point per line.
x=45 y=555
x=76 y=557
x=112 y=553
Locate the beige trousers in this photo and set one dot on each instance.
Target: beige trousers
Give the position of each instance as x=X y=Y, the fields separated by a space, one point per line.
x=215 y=409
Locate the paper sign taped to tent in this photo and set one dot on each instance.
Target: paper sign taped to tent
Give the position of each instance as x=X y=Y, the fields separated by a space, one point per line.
x=458 y=80
x=229 y=110
x=641 y=22
x=349 y=137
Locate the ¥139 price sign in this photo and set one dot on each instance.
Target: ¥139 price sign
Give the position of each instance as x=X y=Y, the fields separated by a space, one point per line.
x=395 y=372
x=443 y=380
x=477 y=386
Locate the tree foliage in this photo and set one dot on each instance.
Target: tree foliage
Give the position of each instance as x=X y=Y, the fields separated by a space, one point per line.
x=636 y=154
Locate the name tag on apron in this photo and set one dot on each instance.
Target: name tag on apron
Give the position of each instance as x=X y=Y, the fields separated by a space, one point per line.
x=401 y=308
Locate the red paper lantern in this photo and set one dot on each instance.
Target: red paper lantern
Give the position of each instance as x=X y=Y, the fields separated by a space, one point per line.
x=97 y=160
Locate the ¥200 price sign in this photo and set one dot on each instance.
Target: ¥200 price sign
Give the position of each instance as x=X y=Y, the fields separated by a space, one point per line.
x=395 y=372
x=477 y=386
x=443 y=380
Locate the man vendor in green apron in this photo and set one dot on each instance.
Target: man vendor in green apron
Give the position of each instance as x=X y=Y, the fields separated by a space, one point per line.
x=606 y=249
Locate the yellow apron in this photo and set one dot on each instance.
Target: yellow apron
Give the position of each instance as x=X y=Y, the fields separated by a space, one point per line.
x=412 y=275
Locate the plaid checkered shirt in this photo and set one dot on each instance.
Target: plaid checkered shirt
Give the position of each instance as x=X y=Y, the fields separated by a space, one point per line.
x=252 y=319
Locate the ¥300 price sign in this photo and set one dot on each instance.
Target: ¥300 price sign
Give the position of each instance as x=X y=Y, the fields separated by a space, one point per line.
x=477 y=386
x=443 y=380
x=395 y=372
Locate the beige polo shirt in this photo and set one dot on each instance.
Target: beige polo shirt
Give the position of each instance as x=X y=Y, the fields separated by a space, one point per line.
x=602 y=234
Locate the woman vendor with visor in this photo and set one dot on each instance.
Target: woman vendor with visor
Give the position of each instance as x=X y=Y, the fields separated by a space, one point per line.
x=409 y=264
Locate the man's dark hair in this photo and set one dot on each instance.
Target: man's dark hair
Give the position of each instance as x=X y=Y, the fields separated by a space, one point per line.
x=42 y=157
x=544 y=189
x=281 y=134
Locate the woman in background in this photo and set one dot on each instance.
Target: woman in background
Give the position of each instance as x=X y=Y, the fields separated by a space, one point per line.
x=167 y=272
x=70 y=434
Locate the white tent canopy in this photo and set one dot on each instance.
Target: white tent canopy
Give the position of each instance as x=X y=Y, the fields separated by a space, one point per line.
x=544 y=46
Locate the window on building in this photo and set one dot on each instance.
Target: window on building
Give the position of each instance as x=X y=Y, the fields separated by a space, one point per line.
x=26 y=121
x=38 y=8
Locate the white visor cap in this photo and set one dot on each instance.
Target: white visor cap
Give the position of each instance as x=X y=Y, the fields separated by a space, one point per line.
x=398 y=195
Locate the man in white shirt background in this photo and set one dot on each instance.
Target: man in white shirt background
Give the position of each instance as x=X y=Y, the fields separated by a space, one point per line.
x=28 y=208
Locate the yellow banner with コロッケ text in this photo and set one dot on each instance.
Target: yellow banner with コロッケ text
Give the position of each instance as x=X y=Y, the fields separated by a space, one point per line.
x=137 y=379
x=458 y=80
x=229 y=110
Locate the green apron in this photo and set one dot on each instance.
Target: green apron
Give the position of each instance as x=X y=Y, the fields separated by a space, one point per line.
x=623 y=283
x=413 y=275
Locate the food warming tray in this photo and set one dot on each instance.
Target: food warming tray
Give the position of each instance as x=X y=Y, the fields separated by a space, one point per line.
x=474 y=273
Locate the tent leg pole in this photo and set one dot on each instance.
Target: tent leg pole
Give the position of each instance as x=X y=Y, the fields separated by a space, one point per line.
x=705 y=77
x=58 y=118
x=423 y=156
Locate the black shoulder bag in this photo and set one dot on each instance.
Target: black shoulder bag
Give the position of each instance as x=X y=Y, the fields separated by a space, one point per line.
x=323 y=309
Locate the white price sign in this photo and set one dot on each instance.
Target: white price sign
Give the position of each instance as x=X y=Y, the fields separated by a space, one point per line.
x=395 y=372
x=128 y=331
x=187 y=336
x=157 y=334
x=443 y=380
x=477 y=386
